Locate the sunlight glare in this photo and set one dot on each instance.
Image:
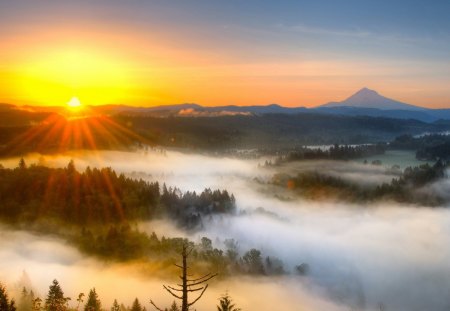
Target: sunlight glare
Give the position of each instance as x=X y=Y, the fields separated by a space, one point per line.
x=74 y=102
x=96 y=76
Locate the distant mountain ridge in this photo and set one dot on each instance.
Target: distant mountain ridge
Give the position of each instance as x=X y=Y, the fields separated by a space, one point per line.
x=367 y=98
x=365 y=102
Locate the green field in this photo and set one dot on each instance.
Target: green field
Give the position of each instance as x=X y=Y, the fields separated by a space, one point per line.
x=402 y=158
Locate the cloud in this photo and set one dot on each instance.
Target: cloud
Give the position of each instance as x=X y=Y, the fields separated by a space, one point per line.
x=356 y=33
x=191 y=112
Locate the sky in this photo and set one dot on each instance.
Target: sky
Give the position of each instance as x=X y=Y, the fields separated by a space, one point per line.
x=293 y=53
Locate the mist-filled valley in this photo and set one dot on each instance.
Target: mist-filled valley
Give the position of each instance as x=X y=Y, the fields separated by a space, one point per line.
x=312 y=252
x=288 y=155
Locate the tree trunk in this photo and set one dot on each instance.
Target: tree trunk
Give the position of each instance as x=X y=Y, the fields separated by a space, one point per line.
x=184 y=305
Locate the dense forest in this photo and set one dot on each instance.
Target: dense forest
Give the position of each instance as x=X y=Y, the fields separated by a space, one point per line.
x=99 y=196
x=431 y=147
x=272 y=130
x=98 y=211
x=335 y=152
x=404 y=189
x=438 y=152
x=410 y=142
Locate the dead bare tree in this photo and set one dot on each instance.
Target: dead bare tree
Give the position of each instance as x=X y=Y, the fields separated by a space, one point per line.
x=181 y=291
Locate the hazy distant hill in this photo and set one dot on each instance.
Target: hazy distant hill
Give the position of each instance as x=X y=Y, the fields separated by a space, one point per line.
x=128 y=126
x=189 y=109
x=273 y=130
x=423 y=115
x=372 y=118
x=365 y=102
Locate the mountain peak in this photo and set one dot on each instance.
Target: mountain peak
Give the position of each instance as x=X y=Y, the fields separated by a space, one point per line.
x=367 y=98
x=364 y=95
x=366 y=91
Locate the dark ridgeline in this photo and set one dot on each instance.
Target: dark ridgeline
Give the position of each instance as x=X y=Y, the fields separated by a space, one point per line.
x=273 y=131
x=23 y=131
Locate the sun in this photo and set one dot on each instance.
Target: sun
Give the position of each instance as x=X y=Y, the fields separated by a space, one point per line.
x=74 y=103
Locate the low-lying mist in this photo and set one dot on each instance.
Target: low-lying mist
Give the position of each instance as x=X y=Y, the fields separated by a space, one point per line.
x=359 y=256
x=34 y=261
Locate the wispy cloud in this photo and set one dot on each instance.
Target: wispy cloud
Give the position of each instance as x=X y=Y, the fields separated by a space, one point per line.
x=306 y=29
x=362 y=33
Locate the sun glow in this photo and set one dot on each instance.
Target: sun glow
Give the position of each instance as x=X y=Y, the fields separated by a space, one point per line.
x=97 y=77
x=74 y=103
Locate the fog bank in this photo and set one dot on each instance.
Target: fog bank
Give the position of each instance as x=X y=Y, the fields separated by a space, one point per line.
x=359 y=256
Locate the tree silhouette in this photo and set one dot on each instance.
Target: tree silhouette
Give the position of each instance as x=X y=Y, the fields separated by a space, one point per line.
x=55 y=298
x=93 y=303
x=253 y=261
x=22 y=164
x=174 y=307
x=226 y=304
x=181 y=291
x=80 y=300
x=136 y=305
x=5 y=303
x=115 y=306
x=26 y=299
x=71 y=167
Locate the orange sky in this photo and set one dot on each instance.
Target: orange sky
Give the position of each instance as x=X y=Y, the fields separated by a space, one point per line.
x=105 y=61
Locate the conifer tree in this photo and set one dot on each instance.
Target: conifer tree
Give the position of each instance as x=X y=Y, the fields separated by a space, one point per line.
x=174 y=307
x=22 y=164
x=226 y=304
x=136 y=305
x=93 y=303
x=26 y=300
x=5 y=303
x=115 y=306
x=71 y=167
x=55 y=298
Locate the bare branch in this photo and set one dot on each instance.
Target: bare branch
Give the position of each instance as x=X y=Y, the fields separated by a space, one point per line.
x=189 y=285
x=159 y=309
x=203 y=281
x=189 y=252
x=195 y=289
x=172 y=292
x=189 y=290
x=201 y=294
x=194 y=280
